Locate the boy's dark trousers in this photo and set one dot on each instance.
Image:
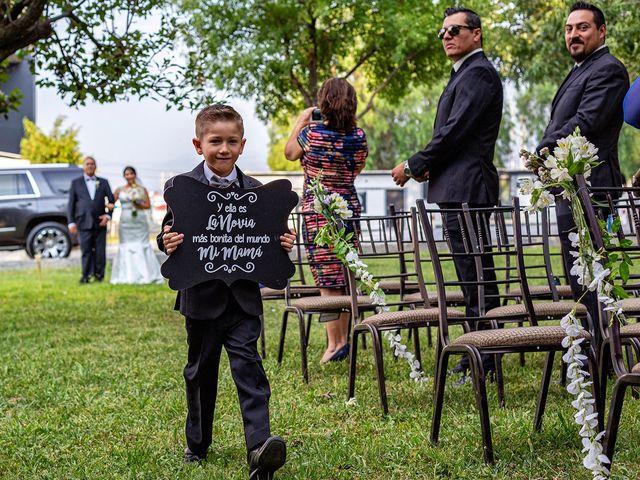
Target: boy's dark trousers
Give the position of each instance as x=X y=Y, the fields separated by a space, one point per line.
x=238 y=332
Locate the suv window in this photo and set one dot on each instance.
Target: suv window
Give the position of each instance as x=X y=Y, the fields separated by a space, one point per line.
x=12 y=184
x=60 y=181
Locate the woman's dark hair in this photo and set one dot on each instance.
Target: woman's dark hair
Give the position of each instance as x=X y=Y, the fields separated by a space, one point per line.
x=338 y=103
x=133 y=170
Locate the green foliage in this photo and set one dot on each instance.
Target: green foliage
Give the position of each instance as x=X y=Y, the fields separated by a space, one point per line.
x=8 y=101
x=103 y=50
x=60 y=146
x=278 y=137
x=279 y=51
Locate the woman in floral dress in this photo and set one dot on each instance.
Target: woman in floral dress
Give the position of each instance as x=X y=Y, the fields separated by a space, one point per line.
x=335 y=147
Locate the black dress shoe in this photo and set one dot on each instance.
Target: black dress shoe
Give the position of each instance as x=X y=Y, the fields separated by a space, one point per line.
x=190 y=457
x=84 y=280
x=264 y=461
x=99 y=278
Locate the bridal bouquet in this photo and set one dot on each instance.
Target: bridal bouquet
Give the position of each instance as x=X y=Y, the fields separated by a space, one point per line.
x=555 y=176
x=136 y=192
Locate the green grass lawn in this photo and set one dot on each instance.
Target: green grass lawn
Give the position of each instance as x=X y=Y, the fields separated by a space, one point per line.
x=91 y=388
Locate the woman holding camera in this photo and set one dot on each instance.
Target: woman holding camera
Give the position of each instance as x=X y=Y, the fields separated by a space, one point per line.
x=329 y=141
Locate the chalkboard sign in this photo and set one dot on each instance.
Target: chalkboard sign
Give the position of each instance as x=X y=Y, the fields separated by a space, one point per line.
x=229 y=233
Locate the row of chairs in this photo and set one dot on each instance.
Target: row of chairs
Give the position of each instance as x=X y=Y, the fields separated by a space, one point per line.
x=516 y=285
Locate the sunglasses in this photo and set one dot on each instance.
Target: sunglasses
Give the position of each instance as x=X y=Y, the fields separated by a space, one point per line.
x=452 y=30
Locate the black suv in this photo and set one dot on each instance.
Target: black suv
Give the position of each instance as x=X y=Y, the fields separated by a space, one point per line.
x=33 y=209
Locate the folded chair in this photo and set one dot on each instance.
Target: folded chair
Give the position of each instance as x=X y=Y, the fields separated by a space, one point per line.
x=502 y=245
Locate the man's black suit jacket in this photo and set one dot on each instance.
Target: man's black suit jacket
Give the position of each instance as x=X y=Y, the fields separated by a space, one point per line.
x=459 y=157
x=591 y=98
x=208 y=300
x=83 y=211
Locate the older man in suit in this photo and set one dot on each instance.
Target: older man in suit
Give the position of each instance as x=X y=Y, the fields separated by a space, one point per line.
x=590 y=97
x=89 y=208
x=458 y=161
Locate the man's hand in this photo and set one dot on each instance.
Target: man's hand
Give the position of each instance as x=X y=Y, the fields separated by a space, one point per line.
x=104 y=219
x=288 y=239
x=73 y=229
x=398 y=175
x=171 y=240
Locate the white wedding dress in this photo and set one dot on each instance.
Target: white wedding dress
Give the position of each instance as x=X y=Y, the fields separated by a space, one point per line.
x=135 y=262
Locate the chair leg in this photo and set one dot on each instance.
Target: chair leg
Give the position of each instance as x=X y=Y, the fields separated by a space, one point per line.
x=522 y=359
x=376 y=342
x=611 y=434
x=478 y=375
x=499 y=379
x=416 y=345
x=283 y=332
x=544 y=390
x=603 y=370
x=353 y=353
x=429 y=338
x=308 y=330
x=438 y=394
x=263 y=347
x=303 y=348
x=563 y=373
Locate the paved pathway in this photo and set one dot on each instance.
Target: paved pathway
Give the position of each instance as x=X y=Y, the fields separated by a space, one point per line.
x=19 y=259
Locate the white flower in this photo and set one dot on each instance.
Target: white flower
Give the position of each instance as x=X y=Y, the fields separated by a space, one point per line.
x=526 y=186
x=575 y=239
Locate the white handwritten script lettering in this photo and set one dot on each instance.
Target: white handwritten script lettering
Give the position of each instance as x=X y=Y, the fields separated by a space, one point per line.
x=228 y=222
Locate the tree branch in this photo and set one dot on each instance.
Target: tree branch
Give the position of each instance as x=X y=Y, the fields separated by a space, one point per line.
x=386 y=82
x=363 y=58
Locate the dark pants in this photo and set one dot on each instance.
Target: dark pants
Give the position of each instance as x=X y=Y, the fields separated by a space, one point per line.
x=466 y=272
x=565 y=226
x=93 y=245
x=238 y=332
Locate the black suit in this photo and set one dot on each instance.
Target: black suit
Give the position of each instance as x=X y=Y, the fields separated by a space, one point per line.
x=218 y=315
x=590 y=98
x=85 y=213
x=459 y=158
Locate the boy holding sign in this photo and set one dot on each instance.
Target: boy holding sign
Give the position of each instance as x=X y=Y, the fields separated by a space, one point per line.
x=217 y=314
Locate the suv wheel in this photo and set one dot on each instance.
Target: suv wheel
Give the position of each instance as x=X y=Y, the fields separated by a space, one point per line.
x=50 y=239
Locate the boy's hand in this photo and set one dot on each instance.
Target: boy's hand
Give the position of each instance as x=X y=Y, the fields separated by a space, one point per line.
x=171 y=240
x=288 y=239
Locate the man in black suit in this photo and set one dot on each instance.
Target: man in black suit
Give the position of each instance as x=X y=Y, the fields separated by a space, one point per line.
x=90 y=205
x=458 y=161
x=591 y=98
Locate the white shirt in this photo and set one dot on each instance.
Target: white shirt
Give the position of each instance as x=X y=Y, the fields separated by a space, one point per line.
x=90 y=182
x=232 y=177
x=458 y=64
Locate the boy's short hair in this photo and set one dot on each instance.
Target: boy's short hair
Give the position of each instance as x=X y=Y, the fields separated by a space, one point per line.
x=217 y=112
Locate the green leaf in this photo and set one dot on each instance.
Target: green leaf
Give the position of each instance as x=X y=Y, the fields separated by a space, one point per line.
x=624 y=272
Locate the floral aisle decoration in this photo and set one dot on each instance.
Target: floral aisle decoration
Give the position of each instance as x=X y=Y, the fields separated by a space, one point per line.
x=334 y=208
x=556 y=173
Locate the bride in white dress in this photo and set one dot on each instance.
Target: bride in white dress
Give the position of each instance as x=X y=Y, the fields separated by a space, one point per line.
x=136 y=262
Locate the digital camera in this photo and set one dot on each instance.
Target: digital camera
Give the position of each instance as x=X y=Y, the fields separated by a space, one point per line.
x=316 y=115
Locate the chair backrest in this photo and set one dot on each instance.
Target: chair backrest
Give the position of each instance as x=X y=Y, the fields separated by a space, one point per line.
x=491 y=239
x=386 y=244
x=603 y=206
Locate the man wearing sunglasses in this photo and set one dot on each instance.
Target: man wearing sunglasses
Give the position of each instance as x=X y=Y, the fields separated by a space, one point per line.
x=458 y=161
x=590 y=97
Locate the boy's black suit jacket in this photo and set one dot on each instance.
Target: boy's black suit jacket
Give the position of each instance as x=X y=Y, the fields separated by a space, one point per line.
x=591 y=98
x=459 y=157
x=208 y=300
x=83 y=211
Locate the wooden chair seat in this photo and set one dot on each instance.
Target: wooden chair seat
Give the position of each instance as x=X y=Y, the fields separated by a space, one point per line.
x=453 y=296
x=329 y=303
x=392 y=287
x=516 y=337
x=631 y=330
x=406 y=318
x=564 y=291
x=630 y=305
x=542 y=309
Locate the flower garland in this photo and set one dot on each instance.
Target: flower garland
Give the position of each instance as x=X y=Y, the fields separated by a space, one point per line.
x=334 y=208
x=575 y=155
